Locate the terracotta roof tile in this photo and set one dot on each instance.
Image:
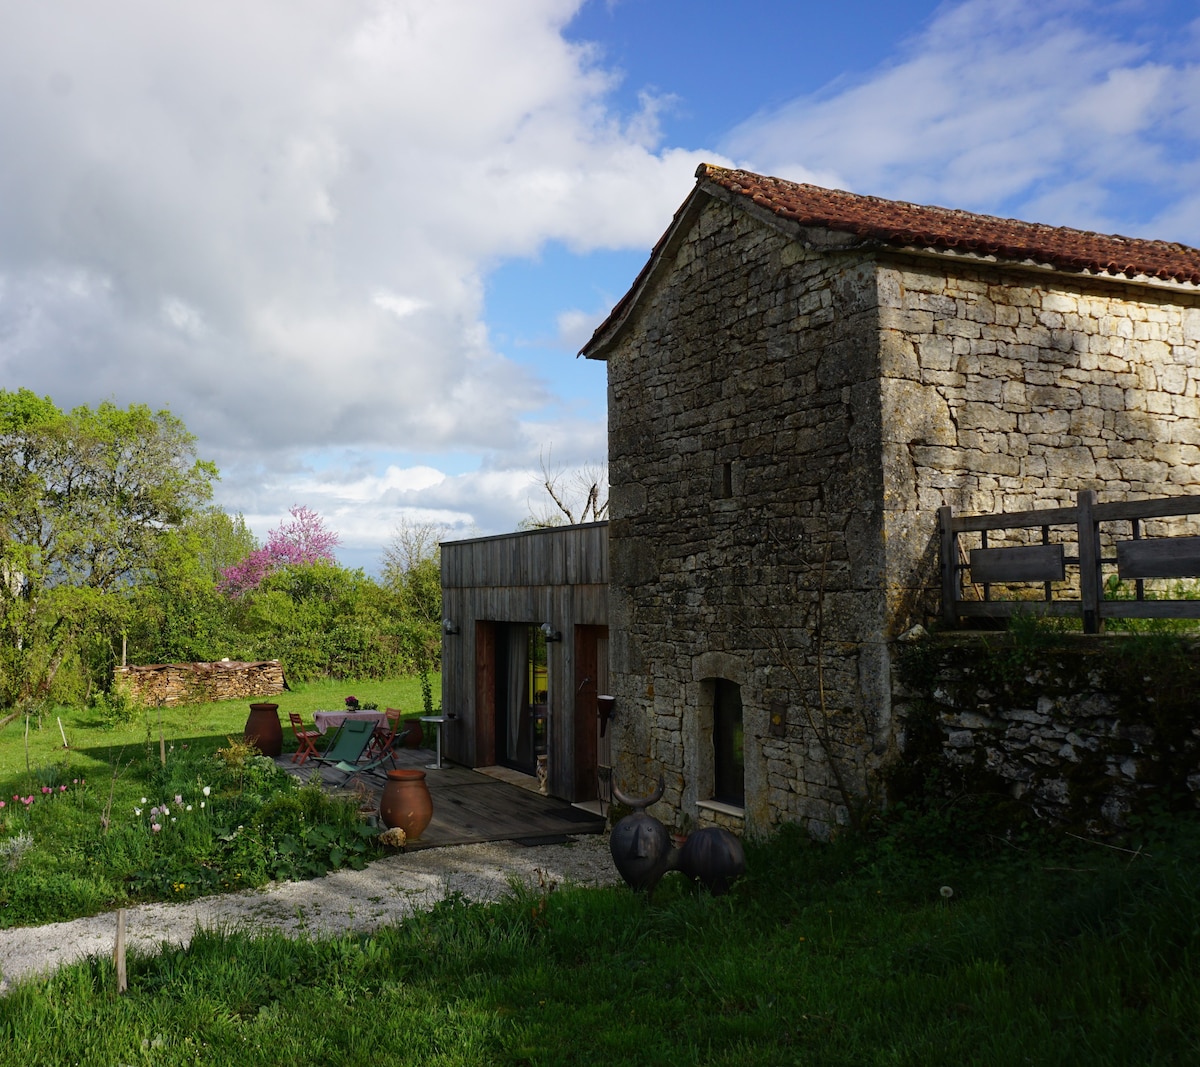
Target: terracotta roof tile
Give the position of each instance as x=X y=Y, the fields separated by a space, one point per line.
x=904 y=225
x=897 y=223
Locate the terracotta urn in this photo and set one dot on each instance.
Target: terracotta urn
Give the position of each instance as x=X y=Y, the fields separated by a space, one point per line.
x=264 y=730
x=406 y=802
x=414 y=732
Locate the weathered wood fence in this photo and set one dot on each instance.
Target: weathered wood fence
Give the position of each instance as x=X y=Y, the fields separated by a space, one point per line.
x=1097 y=535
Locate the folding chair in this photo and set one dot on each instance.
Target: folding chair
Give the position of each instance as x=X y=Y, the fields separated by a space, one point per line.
x=348 y=745
x=387 y=737
x=305 y=739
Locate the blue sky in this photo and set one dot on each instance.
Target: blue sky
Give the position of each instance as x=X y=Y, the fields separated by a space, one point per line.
x=356 y=244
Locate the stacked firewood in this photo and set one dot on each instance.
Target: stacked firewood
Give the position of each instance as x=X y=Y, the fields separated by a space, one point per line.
x=168 y=684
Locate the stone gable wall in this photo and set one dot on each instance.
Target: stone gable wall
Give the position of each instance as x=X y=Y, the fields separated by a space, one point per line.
x=743 y=415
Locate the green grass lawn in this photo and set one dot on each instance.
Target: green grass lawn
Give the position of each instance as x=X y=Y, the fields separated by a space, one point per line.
x=165 y=807
x=1047 y=951
x=937 y=938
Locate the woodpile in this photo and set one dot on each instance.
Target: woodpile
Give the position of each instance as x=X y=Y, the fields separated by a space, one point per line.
x=168 y=684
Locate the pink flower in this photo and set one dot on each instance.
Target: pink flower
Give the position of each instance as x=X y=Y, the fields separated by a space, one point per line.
x=155 y=827
x=1 y=803
x=46 y=789
x=178 y=799
x=62 y=788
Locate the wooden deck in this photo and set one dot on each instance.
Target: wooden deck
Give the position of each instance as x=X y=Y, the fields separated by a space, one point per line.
x=468 y=806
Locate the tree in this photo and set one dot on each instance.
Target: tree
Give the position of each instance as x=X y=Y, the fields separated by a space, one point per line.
x=303 y=540
x=179 y=614
x=412 y=575
x=86 y=496
x=576 y=496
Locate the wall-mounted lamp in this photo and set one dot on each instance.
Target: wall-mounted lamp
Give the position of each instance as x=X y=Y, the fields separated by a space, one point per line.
x=604 y=708
x=551 y=633
x=448 y=627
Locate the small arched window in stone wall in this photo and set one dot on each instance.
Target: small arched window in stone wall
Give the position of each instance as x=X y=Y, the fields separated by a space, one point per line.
x=729 y=779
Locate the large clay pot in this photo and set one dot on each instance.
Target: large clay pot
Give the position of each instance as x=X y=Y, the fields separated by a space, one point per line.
x=264 y=730
x=414 y=732
x=406 y=802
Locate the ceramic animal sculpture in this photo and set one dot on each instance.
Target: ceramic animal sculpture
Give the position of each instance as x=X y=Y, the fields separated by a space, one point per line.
x=640 y=845
x=715 y=857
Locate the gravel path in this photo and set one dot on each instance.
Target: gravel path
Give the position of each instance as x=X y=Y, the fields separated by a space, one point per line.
x=387 y=890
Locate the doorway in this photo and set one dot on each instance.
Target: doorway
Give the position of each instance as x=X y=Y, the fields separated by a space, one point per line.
x=520 y=695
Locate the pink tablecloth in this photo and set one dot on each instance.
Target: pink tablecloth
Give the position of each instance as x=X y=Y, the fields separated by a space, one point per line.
x=326 y=719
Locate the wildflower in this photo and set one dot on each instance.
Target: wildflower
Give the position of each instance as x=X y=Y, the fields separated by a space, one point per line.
x=153 y=811
x=155 y=827
x=137 y=811
x=46 y=789
x=164 y=810
x=178 y=799
x=62 y=788
x=1 y=803
x=202 y=803
x=172 y=818
x=74 y=781
x=189 y=807
x=946 y=892
x=143 y=800
x=207 y=789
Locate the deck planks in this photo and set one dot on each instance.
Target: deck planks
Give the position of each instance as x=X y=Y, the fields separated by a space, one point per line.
x=468 y=807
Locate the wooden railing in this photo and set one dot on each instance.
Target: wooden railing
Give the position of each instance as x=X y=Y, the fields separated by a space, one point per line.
x=1136 y=558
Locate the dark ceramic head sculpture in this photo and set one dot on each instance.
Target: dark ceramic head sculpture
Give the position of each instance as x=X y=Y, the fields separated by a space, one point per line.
x=640 y=845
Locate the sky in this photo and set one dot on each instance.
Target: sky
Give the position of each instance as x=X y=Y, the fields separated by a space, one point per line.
x=355 y=245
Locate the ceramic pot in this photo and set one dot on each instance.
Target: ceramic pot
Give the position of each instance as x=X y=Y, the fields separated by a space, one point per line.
x=264 y=730
x=414 y=732
x=406 y=802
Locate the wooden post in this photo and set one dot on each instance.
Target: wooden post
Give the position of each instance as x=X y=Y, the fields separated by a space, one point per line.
x=119 y=953
x=162 y=744
x=951 y=585
x=1089 y=562
x=62 y=731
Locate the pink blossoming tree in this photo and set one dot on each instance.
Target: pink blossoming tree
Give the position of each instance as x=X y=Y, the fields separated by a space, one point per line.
x=302 y=540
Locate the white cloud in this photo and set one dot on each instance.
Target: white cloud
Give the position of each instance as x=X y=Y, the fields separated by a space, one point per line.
x=1003 y=107
x=275 y=218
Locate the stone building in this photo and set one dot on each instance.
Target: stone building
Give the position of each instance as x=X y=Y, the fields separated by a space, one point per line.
x=798 y=379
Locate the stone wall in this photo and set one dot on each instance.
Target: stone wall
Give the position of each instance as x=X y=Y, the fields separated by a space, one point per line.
x=787 y=412
x=169 y=684
x=1080 y=730
x=744 y=412
x=1012 y=390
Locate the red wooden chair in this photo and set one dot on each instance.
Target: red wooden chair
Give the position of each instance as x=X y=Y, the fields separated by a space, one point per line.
x=306 y=739
x=387 y=737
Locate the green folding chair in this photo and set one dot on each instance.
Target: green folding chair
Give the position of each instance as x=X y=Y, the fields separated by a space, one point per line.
x=348 y=745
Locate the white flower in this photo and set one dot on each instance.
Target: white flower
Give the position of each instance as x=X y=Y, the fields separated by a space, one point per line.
x=189 y=807
x=207 y=790
x=946 y=892
x=143 y=800
x=137 y=811
x=202 y=803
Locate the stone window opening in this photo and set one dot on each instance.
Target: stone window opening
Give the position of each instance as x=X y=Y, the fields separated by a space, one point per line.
x=726 y=743
x=724 y=481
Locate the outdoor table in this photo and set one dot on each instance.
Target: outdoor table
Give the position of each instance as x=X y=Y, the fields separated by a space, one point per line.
x=437 y=720
x=323 y=720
